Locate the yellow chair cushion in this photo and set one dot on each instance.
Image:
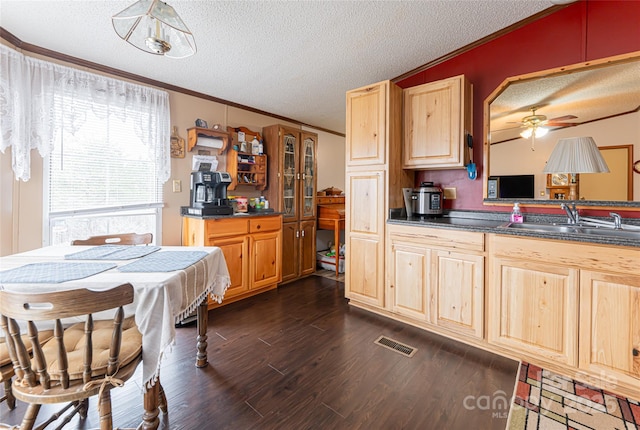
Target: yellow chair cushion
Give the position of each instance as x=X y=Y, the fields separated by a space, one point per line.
x=74 y=340
x=4 y=351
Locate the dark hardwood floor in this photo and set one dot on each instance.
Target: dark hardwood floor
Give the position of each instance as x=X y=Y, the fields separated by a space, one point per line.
x=301 y=358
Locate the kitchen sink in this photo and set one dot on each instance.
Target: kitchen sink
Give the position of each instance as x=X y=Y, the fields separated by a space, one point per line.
x=609 y=232
x=574 y=229
x=544 y=228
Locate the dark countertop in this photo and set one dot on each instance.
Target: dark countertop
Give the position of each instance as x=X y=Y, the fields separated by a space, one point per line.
x=237 y=215
x=496 y=223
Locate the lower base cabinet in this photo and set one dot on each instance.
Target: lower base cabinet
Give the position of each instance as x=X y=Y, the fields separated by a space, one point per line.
x=299 y=249
x=569 y=307
x=572 y=307
x=252 y=248
x=437 y=277
x=610 y=326
x=536 y=308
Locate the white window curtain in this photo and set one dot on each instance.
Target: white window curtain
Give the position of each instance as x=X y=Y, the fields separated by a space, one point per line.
x=38 y=100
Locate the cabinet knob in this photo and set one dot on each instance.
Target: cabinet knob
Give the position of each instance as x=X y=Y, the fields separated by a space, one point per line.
x=635 y=352
x=258 y=227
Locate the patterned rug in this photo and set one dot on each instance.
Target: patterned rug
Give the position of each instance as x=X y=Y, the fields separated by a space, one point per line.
x=544 y=400
x=331 y=274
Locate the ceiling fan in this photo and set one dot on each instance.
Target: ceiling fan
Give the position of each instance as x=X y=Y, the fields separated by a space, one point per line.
x=536 y=125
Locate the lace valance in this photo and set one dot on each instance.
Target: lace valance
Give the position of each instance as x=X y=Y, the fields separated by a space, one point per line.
x=39 y=99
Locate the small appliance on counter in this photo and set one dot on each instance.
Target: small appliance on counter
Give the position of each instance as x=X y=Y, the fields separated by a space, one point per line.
x=426 y=200
x=208 y=195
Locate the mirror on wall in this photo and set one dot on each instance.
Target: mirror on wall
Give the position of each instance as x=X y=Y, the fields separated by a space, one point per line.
x=527 y=115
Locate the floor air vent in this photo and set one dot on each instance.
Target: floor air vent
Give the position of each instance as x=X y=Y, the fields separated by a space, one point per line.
x=398 y=347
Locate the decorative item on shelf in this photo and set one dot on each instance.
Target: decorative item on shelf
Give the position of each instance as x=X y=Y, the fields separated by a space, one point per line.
x=177 y=144
x=575 y=155
x=636 y=167
x=216 y=127
x=332 y=191
x=201 y=123
x=154 y=27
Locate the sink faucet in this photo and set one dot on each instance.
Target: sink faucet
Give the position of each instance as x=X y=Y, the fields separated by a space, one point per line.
x=573 y=217
x=617 y=220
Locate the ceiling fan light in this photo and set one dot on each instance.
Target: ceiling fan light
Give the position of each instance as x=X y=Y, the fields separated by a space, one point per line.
x=526 y=133
x=541 y=131
x=154 y=27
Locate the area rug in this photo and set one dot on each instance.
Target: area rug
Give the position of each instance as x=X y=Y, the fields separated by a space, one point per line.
x=331 y=274
x=544 y=400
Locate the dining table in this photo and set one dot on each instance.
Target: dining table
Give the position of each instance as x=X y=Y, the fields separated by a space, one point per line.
x=170 y=283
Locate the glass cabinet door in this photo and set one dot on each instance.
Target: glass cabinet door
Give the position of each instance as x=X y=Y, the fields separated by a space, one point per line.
x=290 y=174
x=308 y=177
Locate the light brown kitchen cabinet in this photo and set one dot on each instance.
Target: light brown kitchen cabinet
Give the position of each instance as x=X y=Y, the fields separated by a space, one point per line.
x=364 y=232
x=409 y=279
x=437 y=117
x=535 y=308
x=610 y=325
x=368 y=123
x=437 y=277
x=374 y=182
x=568 y=306
x=292 y=191
x=252 y=248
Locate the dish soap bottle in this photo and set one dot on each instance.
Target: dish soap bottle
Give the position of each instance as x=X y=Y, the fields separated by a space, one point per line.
x=516 y=215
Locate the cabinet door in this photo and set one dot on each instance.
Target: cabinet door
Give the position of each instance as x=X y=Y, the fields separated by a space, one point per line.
x=236 y=255
x=409 y=279
x=290 y=251
x=266 y=249
x=307 y=247
x=364 y=219
x=308 y=176
x=610 y=325
x=291 y=174
x=366 y=125
x=434 y=115
x=533 y=308
x=459 y=292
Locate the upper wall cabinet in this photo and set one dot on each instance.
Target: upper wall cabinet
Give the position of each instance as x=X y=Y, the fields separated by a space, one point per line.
x=366 y=125
x=437 y=116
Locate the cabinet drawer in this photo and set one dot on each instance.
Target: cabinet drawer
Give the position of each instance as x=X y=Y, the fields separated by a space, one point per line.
x=329 y=200
x=257 y=225
x=226 y=227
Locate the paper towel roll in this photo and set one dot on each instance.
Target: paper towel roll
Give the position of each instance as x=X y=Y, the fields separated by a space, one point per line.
x=209 y=142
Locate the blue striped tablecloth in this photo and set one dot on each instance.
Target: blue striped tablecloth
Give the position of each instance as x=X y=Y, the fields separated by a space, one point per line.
x=113 y=252
x=53 y=273
x=165 y=261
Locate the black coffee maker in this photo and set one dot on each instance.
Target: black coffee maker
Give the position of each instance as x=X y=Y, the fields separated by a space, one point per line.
x=208 y=194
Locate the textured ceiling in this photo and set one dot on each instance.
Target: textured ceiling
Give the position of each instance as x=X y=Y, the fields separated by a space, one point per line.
x=588 y=95
x=291 y=58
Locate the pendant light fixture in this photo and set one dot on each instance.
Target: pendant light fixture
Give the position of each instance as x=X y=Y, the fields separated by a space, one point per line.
x=154 y=27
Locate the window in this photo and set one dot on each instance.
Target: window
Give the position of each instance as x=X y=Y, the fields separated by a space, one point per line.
x=106 y=142
x=102 y=179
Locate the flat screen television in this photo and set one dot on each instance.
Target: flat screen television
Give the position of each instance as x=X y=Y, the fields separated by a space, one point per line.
x=514 y=186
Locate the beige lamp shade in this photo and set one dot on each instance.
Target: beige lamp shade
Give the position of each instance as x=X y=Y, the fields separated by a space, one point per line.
x=154 y=27
x=576 y=155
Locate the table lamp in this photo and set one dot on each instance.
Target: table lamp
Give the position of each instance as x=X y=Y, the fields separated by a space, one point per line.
x=575 y=155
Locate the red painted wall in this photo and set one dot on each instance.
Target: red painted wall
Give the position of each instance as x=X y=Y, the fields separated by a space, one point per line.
x=582 y=31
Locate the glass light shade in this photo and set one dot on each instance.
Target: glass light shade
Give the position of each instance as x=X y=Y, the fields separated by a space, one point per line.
x=576 y=155
x=154 y=27
x=526 y=133
x=541 y=131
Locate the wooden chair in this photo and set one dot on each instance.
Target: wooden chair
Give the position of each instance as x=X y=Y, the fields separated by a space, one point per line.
x=116 y=239
x=7 y=358
x=80 y=361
